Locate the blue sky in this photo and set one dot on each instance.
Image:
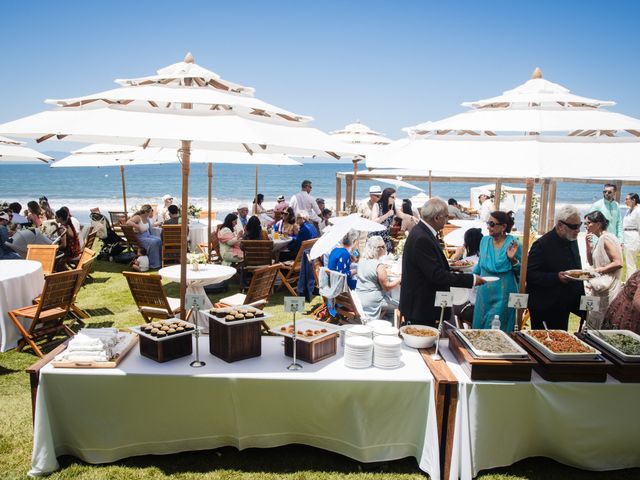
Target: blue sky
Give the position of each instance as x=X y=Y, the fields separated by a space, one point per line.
x=389 y=64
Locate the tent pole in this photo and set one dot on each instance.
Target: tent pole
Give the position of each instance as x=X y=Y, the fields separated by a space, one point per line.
x=355 y=178
x=210 y=180
x=429 y=183
x=347 y=199
x=338 y=194
x=525 y=243
x=618 y=184
x=186 y=163
x=498 y=193
x=551 y=215
x=124 y=192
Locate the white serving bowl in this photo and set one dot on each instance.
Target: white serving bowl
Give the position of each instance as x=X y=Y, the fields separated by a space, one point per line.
x=415 y=341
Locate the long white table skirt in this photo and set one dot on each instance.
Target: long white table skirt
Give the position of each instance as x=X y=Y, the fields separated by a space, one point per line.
x=144 y=407
x=593 y=426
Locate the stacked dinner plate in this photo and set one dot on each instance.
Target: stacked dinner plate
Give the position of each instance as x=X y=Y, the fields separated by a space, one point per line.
x=387 y=351
x=378 y=323
x=359 y=331
x=358 y=351
x=388 y=330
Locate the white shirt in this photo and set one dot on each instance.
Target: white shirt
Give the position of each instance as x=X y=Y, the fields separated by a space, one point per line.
x=631 y=220
x=143 y=263
x=485 y=210
x=302 y=201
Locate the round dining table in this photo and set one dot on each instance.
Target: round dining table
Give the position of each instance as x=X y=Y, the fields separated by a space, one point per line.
x=207 y=274
x=20 y=282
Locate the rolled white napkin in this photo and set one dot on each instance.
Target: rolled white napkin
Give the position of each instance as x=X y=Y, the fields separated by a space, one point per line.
x=71 y=357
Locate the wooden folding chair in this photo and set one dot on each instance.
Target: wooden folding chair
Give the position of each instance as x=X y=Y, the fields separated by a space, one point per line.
x=45 y=254
x=171 y=244
x=48 y=314
x=91 y=238
x=260 y=289
x=85 y=265
x=346 y=304
x=131 y=237
x=257 y=254
x=290 y=271
x=150 y=296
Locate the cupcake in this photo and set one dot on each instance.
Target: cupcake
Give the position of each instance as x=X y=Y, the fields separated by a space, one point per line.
x=171 y=331
x=258 y=313
x=162 y=334
x=154 y=331
x=164 y=328
x=179 y=329
x=229 y=318
x=248 y=315
x=239 y=316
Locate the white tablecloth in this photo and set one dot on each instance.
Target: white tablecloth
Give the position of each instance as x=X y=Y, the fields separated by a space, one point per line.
x=196 y=281
x=198 y=232
x=20 y=282
x=593 y=426
x=103 y=415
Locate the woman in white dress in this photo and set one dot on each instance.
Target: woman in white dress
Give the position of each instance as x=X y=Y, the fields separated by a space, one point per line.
x=631 y=223
x=606 y=259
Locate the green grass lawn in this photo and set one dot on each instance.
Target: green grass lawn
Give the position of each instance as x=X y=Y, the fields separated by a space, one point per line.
x=108 y=300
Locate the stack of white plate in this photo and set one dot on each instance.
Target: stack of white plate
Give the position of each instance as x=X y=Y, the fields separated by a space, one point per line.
x=388 y=330
x=378 y=323
x=387 y=351
x=359 y=331
x=358 y=351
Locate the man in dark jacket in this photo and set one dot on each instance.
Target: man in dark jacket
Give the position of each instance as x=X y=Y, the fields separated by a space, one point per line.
x=425 y=269
x=552 y=294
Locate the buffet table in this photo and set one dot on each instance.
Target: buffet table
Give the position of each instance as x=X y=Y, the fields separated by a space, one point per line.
x=20 y=282
x=585 y=425
x=143 y=407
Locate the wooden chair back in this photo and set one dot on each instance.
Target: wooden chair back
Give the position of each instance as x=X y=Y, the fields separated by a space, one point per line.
x=213 y=249
x=45 y=254
x=171 y=243
x=131 y=237
x=118 y=218
x=257 y=253
x=261 y=285
x=91 y=238
x=293 y=271
x=207 y=214
x=59 y=289
x=87 y=255
x=148 y=292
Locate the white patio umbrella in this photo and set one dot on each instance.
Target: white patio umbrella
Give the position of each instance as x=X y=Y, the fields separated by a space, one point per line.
x=175 y=114
x=366 y=140
x=340 y=227
x=15 y=151
x=106 y=155
x=398 y=182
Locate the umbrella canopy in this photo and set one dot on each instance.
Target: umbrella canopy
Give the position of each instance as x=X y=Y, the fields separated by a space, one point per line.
x=14 y=151
x=187 y=122
x=341 y=226
x=398 y=182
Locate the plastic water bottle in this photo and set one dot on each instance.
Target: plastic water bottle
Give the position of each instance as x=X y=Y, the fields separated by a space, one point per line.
x=495 y=323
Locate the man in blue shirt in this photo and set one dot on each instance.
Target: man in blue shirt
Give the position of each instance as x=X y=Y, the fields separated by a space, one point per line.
x=611 y=210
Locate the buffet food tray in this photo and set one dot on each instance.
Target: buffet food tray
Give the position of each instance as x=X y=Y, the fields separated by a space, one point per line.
x=126 y=342
x=499 y=337
x=600 y=337
x=494 y=369
x=139 y=331
x=593 y=354
x=589 y=370
x=304 y=325
x=259 y=314
x=621 y=370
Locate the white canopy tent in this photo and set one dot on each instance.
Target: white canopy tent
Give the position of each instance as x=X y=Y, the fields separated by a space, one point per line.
x=184 y=123
x=16 y=152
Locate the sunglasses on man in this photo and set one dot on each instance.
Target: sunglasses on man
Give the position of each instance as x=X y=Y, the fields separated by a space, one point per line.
x=572 y=226
x=493 y=224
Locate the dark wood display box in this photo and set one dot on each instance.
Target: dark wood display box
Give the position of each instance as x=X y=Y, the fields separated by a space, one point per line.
x=233 y=342
x=490 y=369
x=312 y=352
x=565 y=371
x=166 y=350
x=625 y=372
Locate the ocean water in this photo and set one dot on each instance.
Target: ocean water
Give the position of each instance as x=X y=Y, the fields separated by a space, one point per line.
x=83 y=188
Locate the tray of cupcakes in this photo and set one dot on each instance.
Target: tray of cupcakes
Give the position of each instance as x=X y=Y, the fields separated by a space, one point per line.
x=163 y=330
x=236 y=315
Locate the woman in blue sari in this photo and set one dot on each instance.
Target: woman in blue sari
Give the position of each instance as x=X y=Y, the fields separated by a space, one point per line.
x=499 y=256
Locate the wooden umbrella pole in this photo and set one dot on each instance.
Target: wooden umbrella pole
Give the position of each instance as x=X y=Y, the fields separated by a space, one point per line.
x=338 y=194
x=210 y=178
x=429 y=183
x=498 y=194
x=544 y=206
x=525 y=243
x=186 y=161
x=255 y=197
x=355 y=178
x=124 y=191
x=551 y=215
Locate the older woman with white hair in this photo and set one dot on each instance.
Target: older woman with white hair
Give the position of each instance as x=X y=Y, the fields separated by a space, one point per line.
x=373 y=281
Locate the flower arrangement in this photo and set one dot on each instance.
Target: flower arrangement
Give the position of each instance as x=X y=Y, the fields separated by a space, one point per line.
x=196 y=258
x=193 y=210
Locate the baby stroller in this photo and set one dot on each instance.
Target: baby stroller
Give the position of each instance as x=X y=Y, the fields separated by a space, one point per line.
x=112 y=246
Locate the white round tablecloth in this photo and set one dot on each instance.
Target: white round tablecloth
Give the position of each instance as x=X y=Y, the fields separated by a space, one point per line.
x=206 y=274
x=198 y=232
x=20 y=282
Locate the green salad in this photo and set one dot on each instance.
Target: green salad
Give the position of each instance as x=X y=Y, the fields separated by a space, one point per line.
x=624 y=343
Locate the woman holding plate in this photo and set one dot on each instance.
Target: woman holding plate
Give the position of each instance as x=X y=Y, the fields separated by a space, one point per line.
x=499 y=257
x=606 y=258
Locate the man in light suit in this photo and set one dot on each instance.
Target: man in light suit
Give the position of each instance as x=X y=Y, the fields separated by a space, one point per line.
x=425 y=269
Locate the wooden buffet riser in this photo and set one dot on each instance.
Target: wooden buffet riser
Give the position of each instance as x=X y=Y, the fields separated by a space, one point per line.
x=625 y=372
x=565 y=371
x=493 y=369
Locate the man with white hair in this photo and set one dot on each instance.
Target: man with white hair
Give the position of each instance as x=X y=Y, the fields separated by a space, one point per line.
x=243 y=217
x=425 y=269
x=552 y=294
